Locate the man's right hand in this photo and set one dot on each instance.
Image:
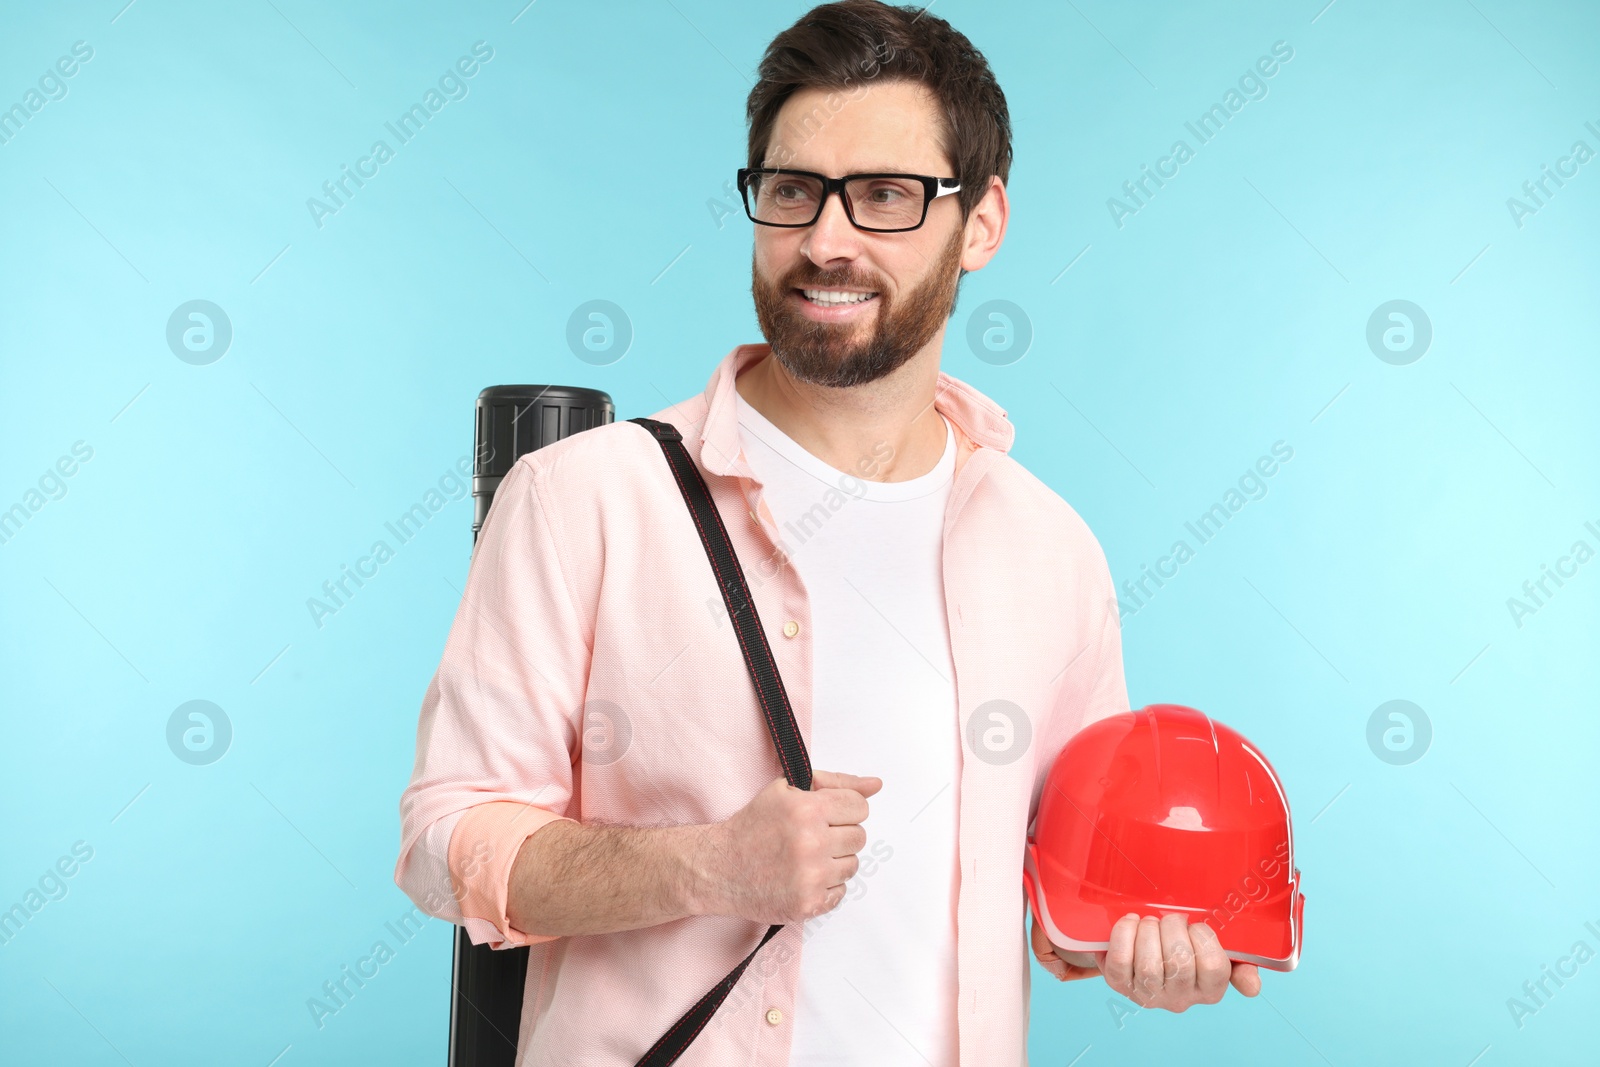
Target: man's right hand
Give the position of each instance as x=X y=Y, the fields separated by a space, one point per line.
x=785 y=856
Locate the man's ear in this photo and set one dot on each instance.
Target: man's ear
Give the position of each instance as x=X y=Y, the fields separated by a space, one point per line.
x=986 y=226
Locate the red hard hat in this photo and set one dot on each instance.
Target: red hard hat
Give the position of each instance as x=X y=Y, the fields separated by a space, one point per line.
x=1165 y=809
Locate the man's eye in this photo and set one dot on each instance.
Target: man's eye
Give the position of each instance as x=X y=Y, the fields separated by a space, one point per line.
x=790 y=192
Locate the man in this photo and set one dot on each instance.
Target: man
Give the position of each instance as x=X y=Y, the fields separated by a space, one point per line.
x=594 y=776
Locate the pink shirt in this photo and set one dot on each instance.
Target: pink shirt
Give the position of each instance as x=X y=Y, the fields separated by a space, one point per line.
x=590 y=674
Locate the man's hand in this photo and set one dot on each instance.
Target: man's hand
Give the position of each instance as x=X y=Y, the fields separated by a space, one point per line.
x=785 y=856
x=1066 y=966
x=1156 y=963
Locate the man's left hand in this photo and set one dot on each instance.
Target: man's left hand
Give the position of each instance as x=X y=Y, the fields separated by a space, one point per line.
x=1166 y=963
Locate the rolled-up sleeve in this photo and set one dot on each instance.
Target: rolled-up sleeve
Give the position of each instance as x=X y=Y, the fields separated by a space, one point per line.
x=498 y=728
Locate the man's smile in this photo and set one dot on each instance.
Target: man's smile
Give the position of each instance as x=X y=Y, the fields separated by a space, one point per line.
x=833 y=305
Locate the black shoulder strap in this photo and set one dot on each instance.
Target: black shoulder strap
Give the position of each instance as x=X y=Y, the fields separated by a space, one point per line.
x=769 y=691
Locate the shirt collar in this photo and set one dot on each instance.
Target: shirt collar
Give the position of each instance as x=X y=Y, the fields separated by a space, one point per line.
x=978 y=421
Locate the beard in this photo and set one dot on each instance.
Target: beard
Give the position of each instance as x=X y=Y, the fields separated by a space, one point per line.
x=833 y=353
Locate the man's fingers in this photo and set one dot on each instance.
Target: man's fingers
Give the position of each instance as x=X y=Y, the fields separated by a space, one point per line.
x=1117 y=962
x=1177 y=956
x=1247 y=978
x=844 y=807
x=866 y=786
x=847 y=840
x=1064 y=969
x=1149 y=968
x=1041 y=943
x=843 y=869
x=1212 y=967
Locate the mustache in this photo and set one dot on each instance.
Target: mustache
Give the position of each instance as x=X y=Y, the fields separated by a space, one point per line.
x=833 y=282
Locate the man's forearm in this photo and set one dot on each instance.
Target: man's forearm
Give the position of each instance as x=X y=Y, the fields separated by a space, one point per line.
x=569 y=878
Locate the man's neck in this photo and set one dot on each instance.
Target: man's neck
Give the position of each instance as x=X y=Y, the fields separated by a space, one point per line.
x=885 y=431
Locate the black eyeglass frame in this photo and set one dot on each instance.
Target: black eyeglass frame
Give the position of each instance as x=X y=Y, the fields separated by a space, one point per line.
x=932 y=189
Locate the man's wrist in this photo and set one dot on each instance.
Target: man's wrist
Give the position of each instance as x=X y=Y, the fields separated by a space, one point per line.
x=702 y=875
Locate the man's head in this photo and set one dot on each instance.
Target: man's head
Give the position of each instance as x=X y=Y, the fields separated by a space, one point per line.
x=861 y=87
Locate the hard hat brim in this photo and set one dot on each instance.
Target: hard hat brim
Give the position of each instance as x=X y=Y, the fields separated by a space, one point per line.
x=1238 y=936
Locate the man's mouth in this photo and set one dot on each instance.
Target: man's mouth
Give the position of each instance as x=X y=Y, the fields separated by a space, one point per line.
x=832 y=298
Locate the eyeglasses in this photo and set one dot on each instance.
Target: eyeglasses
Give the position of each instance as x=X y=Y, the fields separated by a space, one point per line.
x=877 y=203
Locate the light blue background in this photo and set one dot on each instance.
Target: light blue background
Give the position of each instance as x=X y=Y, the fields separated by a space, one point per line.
x=1228 y=314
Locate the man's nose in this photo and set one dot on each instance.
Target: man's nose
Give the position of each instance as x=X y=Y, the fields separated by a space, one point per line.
x=832 y=236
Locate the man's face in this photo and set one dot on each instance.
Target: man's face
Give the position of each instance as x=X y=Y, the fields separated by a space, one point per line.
x=889 y=126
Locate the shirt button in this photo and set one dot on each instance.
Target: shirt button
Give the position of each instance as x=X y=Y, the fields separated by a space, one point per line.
x=791 y=628
x=774 y=1016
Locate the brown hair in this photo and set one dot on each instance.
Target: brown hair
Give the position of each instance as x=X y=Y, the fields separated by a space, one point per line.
x=842 y=45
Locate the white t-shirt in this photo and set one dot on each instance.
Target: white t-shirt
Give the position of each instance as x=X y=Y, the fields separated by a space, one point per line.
x=878 y=972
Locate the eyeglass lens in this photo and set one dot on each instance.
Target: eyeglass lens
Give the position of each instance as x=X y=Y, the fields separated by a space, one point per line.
x=884 y=203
